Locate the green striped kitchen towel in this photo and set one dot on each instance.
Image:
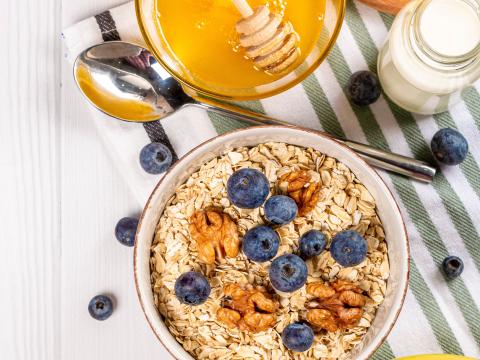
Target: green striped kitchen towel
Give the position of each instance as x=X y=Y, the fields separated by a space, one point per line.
x=443 y=218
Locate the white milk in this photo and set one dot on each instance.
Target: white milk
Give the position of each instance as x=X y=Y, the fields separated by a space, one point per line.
x=432 y=54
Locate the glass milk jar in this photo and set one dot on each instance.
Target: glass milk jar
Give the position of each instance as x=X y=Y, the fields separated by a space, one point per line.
x=432 y=54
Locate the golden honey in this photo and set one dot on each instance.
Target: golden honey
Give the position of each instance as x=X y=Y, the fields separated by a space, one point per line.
x=122 y=108
x=201 y=34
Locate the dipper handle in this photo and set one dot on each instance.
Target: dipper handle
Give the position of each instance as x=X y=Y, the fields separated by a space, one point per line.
x=243 y=8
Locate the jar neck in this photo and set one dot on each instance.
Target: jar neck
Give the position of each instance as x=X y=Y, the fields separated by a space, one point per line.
x=429 y=56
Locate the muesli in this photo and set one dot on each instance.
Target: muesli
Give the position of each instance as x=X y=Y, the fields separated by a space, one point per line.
x=342 y=203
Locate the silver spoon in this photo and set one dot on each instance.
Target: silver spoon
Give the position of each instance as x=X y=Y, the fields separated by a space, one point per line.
x=124 y=81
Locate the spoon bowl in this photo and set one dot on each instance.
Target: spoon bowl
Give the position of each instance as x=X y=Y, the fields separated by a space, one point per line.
x=126 y=82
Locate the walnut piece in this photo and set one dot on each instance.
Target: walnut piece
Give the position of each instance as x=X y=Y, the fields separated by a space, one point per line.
x=339 y=306
x=229 y=317
x=301 y=189
x=320 y=290
x=216 y=235
x=248 y=309
x=323 y=319
x=343 y=285
x=350 y=317
x=352 y=299
x=257 y=322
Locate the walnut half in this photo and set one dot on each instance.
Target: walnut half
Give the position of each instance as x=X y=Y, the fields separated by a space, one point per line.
x=216 y=235
x=248 y=309
x=338 y=306
x=301 y=189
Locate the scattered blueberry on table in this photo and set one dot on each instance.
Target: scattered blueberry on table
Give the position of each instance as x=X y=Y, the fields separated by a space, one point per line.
x=100 y=307
x=248 y=188
x=348 y=248
x=363 y=88
x=449 y=146
x=155 y=158
x=298 y=337
x=280 y=210
x=312 y=243
x=452 y=267
x=192 y=288
x=260 y=244
x=288 y=273
x=125 y=230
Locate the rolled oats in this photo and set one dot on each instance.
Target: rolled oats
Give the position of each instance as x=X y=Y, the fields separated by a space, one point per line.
x=343 y=203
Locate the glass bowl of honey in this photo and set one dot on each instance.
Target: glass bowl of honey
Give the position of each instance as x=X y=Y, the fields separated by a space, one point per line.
x=196 y=41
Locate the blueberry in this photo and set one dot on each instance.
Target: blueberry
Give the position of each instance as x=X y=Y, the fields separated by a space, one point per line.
x=125 y=231
x=155 y=158
x=260 y=244
x=288 y=273
x=449 y=146
x=452 y=266
x=348 y=248
x=363 y=88
x=247 y=188
x=100 y=307
x=312 y=243
x=280 y=209
x=192 y=288
x=298 y=337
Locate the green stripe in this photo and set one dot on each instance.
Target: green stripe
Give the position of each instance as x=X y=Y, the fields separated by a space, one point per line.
x=416 y=142
x=223 y=124
x=443 y=332
x=450 y=199
x=253 y=105
x=387 y=20
x=383 y=353
x=472 y=100
x=322 y=107
x=469 y=167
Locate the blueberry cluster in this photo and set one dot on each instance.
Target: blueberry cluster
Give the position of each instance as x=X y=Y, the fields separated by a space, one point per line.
x=249 y=189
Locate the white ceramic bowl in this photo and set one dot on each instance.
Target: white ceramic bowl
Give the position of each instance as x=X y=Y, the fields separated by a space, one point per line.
x=398 y=247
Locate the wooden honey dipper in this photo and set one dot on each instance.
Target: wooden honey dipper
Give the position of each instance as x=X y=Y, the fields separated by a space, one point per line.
x=268 y=40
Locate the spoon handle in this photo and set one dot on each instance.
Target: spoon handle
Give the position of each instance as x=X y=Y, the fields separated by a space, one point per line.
x=399 y=164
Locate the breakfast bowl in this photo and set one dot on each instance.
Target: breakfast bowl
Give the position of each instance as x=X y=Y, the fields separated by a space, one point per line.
x=385 y=299
x=195 y=42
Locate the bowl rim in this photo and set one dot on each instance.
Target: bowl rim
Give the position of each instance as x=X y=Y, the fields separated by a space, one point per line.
x=293 y=127
x=205 y=92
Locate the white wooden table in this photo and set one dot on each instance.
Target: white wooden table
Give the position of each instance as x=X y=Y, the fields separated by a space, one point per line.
x=60 y=199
